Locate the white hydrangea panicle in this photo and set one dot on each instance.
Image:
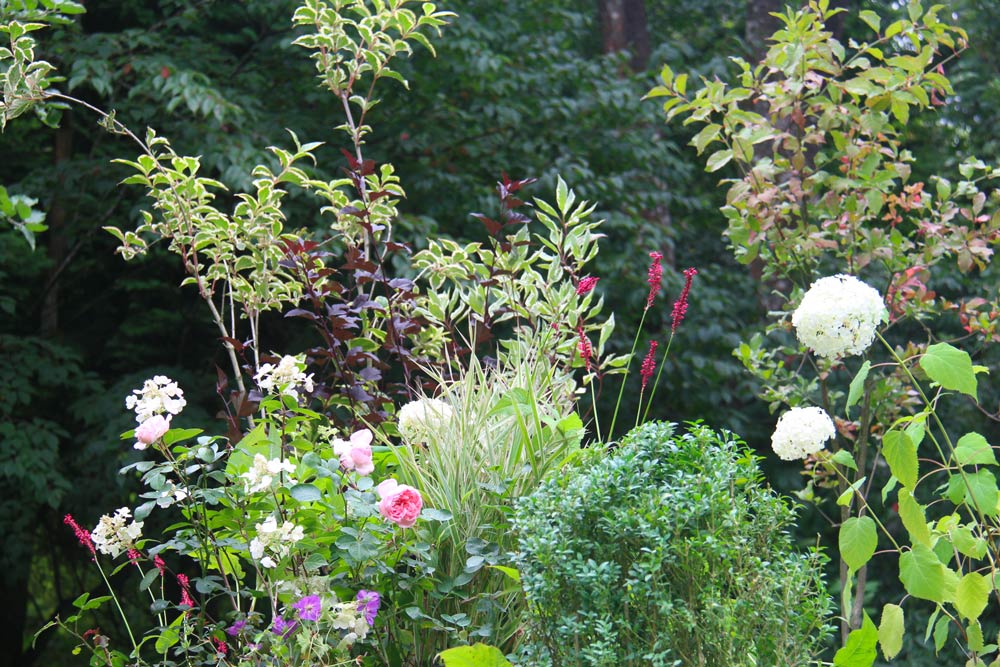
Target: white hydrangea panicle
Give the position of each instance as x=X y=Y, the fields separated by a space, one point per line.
x=287 y=377
x=264 y=472
x=427 y=415
x=274 y=541
x=839 y=316
x=115 y=534
x=801 y=432
x=159 y=395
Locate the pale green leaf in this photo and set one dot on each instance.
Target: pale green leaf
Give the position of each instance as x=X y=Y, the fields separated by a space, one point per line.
x=950 y=367
x=859 y=651
x=925 y=577
x=477 y=655
x=718 y=160
x=901 y=455
x=914 y=520
x=972 y=449
x=890 y=630
x=858 y=539
x=971 y=595
x=857 y=387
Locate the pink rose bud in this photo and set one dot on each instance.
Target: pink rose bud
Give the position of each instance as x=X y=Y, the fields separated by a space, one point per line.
x=400 y=503
x=150 y=431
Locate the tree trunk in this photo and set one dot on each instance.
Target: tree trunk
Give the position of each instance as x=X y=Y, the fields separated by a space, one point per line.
x=624 y=27
x=56 y=233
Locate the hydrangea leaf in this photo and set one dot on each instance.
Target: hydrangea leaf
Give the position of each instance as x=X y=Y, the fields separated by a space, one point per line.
x=857 y=387
x=971 y=595
x=950 y=367
x=845 y=458
x=925 y=577
x=980 y=491
x=901 y=455
x=974 y=637
x=859 y=651
x=890 y=631
x=914 y=520
x=972 y=449
x=941 y=630
x=858 y=539
x=968 y=544
x=477 y=655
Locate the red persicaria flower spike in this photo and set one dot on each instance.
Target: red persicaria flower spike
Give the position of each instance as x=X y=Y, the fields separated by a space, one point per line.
x=220 y=646
x=654 y=278
x=186 y=598
x=584 y=346
x=134 y=555
x=681 y=305
x=586 y=285
x=160 y=565
x=649 y=363
x=82 y=535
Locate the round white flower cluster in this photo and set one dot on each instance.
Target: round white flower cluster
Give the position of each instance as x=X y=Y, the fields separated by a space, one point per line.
x=801 y=432
x=275 y=540
x=424 y=416
x=264 y=472
x=838 y=316
x=112 y=536
x=285 y=377
x=158 y=395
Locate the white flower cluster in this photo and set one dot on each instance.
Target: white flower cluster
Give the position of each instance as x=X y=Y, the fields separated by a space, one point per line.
x=348 y=617
x=112 y=536
x=801 y=432
x=419 y=418
x=838 y=316
x=158 y=396
x=285 y=378
x=274 y=540
x=264 y=472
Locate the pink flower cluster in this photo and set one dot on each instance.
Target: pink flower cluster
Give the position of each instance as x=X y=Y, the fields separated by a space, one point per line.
x=586 y=284
x=681 y=305
x=649 y=363
x=654 y=277
x=399 y=503
x=356 y=452
x=151 y=430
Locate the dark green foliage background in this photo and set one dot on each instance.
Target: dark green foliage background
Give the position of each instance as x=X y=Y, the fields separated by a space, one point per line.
x=521 y=86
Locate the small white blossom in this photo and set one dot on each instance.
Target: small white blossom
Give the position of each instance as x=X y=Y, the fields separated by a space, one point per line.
x=264 y=472
x=838 y=316
x=158 y=395
x=347 y=617
x=419 y=418
x=274 y=541
x=284 y=378
x=171 y=494
x=112 y=536
x=801 y=432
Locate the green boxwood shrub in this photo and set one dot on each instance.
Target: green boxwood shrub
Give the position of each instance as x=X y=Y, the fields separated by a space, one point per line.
x=668 y=551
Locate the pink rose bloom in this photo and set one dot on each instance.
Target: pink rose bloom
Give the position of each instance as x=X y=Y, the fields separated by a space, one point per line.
x=150 y=431
x=400 y=503
x=356 y=453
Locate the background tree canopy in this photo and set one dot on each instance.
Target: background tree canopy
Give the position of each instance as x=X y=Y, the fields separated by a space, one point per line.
x=533 y=88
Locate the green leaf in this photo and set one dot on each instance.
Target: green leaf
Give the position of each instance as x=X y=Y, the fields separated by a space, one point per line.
x=167 y=638
x=718 y=160
x=305 y=493
x=858 y=539
x=477 y=655
x=972 y=449
x=857 y=389
x=845 y=458
x=966 y=543
x=971 y=595
x=431 y=514
x=924 y=576
x=901 y=455
x=873 y=20
x=890 y=631
x=981 y=491
x=511 y=572
x=950 y=367
x=912 y=514
x=941 y=629
x=845 y=498
x=859 y=651
x=179 y=434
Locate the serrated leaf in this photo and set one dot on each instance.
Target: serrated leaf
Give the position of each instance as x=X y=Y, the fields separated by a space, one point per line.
x=901 y=455
x=859 y=650
x=845 y=498
x=941 y=629
x=477 y=655
x=924 y=576
x=914 y=520
x=890 y=631
x=973 y=449
x=858 y=540
x=972 y=595
x=845 y=458
x=950 y=367
x=981 y=491
x=857 y=389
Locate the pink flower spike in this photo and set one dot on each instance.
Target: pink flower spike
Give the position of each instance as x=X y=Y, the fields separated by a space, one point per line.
x=654 y=278
x=160 y=565
x=186 y=598
x=649 y=363
x=133 y=556
x=81 y=535
x=586 y=285
x=584 y=347
x=681 y=305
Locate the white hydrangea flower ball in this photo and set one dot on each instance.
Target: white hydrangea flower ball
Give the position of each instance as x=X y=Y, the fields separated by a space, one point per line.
x=838 y=316
x=419 y=418
x=801 y=432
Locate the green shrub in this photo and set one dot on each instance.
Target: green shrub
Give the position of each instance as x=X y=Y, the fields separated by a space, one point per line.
x=669 y=551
